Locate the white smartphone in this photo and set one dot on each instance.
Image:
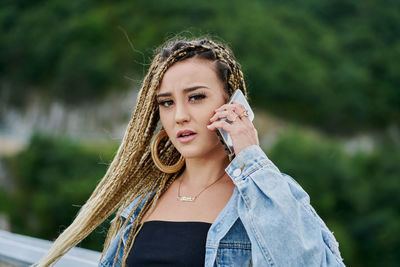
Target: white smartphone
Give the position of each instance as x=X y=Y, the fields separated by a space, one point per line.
x=223 y=136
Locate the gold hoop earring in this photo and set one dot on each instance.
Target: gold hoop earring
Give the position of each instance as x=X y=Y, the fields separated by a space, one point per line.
x=154 y=154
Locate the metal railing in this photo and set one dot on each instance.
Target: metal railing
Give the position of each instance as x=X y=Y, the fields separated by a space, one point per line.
x=18 y=250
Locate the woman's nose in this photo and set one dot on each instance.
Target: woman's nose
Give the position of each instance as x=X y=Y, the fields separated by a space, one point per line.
x=181 y=114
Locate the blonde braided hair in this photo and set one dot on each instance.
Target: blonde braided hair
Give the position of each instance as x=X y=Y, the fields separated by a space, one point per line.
x=132 y=173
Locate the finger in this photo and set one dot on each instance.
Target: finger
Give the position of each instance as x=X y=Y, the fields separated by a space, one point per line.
x=236 y=107
x=244 y=117
x=241 y=111
x=233 y=105
x=220 y=124
x=229 y=114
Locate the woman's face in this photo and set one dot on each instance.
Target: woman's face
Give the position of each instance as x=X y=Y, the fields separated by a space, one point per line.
x=189 y=93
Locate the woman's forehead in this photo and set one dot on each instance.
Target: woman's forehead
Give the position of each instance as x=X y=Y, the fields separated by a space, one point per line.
x=188 y=73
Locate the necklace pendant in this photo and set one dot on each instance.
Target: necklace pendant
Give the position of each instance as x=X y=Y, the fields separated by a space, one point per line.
x=187 y=199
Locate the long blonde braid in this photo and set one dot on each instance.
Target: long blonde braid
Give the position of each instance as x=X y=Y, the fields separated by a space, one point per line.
x=132 y=173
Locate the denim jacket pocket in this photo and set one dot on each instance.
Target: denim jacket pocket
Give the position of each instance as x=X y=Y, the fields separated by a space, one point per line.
x=233 y=253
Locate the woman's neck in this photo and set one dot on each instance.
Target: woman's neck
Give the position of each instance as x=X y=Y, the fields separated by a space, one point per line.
x=201 y=172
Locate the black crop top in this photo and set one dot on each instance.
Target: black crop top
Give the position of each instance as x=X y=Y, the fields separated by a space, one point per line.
x=168 y=243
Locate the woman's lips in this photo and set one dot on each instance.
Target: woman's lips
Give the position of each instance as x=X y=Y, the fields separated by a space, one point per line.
x=185 y=139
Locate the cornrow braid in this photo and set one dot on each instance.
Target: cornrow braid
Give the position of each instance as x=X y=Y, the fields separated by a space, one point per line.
x=132 y=173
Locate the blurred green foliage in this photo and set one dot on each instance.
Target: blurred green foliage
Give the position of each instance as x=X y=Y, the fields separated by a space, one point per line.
x=54 y=178
x=330 y=63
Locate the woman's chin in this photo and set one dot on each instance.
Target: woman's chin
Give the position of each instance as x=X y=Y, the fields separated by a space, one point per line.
x=201 y=152
x=192 y=153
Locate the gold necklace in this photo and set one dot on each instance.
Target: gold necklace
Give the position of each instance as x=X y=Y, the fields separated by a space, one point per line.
x=192 y=199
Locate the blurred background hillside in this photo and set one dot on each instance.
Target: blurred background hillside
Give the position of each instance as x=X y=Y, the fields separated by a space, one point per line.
x=324 y=83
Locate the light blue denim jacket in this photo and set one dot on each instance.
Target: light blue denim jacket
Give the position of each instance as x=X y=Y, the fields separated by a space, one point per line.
x=268 y=221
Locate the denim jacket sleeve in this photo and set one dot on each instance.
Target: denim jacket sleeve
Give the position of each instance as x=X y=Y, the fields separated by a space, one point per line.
x=283 y=227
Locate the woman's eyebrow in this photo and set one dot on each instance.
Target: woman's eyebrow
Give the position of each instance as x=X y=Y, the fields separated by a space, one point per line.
x=186 y=90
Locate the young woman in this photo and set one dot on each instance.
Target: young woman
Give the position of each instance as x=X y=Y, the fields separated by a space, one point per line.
x=180 y=200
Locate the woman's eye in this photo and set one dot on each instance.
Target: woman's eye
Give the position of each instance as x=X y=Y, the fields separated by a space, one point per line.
x=193 y=98
x=165 y=103
x=196 y=98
